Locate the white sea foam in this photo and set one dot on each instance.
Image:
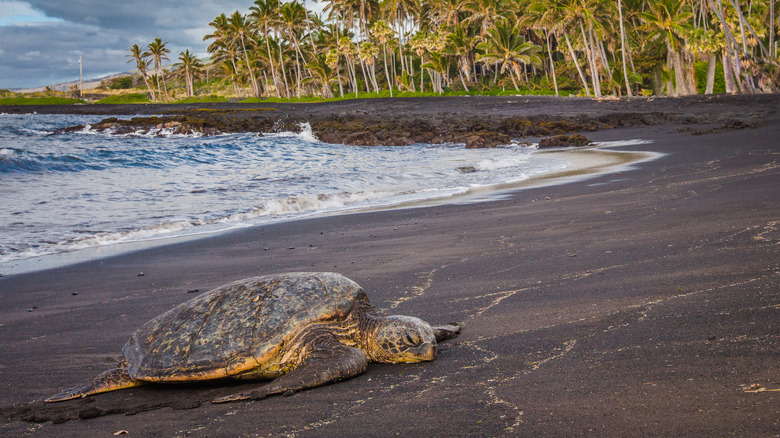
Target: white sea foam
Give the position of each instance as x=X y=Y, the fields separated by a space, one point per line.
x=106 y=190
x=306 y=134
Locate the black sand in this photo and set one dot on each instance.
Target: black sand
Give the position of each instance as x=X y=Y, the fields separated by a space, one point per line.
x=644 y=303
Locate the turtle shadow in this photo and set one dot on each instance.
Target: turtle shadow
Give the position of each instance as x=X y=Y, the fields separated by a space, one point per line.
x=180 y=396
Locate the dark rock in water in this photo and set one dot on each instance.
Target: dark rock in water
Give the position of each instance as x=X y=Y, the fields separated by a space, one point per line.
x=361 y=138
x=486 y=139
x=467 y=169
x=564 y=141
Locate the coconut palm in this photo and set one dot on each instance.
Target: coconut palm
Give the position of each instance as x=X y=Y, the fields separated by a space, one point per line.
x=705 y=42
x=238 y=30
x=190 y=64
x=669 y=21
x=293 y=17
x=321 y=74
x=141 y=64
x=484 y=12
x=158 y=51
x=505 y=45
x=265 y=16
x=382 y=32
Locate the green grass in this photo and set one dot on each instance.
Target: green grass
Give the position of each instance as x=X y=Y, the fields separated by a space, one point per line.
x=125 y=98
x=386 y=93
x=39 y=101
x=204 y=99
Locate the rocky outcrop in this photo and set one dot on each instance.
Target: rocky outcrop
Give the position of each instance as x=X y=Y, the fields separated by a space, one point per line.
x=486 y=139
x=563 y=140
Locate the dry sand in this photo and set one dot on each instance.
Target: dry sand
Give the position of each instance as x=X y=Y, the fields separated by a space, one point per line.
x=642 y=302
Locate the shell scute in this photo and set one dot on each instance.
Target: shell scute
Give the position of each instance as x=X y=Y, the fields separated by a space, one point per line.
x=236 y=327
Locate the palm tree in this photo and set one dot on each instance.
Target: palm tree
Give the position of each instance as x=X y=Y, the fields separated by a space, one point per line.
x=669 y=21
x=238 y=28
x=321 y=73
x=461 y=44
x=623 y=47
x=191 y=64
x=265 y=16
x=705 y=42
x=141 y=64
x=384 y=33
x=484 y=12
x=555 y=15
x=158 y=51
x=293 y=17
x=506 y=46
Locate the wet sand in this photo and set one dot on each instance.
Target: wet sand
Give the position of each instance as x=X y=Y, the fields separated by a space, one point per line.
x=642 y=302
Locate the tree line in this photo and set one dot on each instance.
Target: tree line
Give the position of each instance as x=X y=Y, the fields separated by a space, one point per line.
x=593 y=47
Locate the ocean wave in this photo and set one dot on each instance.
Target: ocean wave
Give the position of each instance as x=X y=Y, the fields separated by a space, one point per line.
x=504 y=162
x=154 y=132
x=21 y=162
x=272 y=209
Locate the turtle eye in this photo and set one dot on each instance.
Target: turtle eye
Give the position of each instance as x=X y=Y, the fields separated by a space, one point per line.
x=409 y=340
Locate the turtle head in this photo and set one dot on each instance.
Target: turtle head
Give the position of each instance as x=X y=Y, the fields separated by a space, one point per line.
x=403 y=339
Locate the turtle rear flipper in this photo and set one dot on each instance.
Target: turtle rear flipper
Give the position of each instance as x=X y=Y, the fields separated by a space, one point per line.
x=110 y=380
x=330 y=361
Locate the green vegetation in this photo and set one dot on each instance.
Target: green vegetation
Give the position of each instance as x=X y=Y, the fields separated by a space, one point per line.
x=39 y=101
x=204 y=99
x=125 y=98
x=284 y=52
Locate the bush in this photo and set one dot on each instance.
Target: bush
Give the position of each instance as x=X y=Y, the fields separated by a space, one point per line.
x=701 y=78
x=120 y=83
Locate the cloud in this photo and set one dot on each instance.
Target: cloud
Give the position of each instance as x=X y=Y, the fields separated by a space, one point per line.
x=45 y=50
x=20 y=12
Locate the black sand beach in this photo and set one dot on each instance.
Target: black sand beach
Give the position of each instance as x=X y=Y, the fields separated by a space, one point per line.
x=639 y=303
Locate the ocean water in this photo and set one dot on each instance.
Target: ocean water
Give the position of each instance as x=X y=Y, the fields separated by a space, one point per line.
x=63 y=192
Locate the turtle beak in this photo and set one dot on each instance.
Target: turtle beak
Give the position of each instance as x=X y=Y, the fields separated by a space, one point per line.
x=429 y=353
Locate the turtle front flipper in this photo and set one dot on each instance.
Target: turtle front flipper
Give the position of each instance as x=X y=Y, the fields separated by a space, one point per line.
x=110 y=380
x=330 y=361
x=446 y=331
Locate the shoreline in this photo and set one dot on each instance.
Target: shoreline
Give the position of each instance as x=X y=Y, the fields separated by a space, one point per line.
x=587 y=162
x=641 y=304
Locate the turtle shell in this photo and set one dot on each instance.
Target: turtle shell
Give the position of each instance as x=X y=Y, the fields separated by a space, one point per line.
x=236 y=327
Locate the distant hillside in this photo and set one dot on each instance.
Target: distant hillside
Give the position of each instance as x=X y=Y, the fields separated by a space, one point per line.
x=89 y=84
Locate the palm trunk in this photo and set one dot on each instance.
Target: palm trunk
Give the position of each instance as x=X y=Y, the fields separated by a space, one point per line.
x=679 y=76
x=387 y=73
x=255 y=89
x=338 y=75
x=422 y=75
x=712 y=62
x=273 y=69
x=772 y=49
x=149 y=86
x=552 y=64
x=462 y=80
x=512 y=75
x=623 y=48
x=284 y=74
x=728 y=73
x=577 y=64
x=591 y=56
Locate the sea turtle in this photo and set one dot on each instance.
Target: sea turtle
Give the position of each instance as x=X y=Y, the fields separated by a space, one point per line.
x=302 y=330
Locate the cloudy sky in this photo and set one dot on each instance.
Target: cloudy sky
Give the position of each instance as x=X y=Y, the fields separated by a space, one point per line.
x=41 y=40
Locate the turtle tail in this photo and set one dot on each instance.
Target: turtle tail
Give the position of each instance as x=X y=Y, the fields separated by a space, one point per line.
x=110 y=380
